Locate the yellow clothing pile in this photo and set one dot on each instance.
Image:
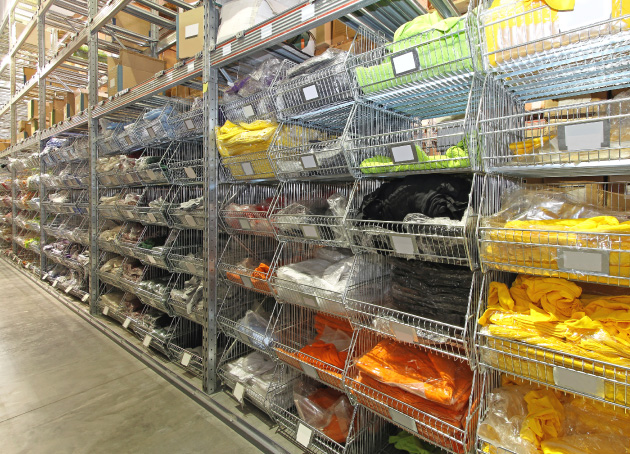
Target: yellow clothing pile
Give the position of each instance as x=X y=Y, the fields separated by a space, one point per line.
x=552 y=313
x=237 y=144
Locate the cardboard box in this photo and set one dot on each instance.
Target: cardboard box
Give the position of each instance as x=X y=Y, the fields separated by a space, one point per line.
x=4 y=144
x=32 y=109
x=21 y=125
x=130 y=69
x=28 y=73
x=170 y=58
x=34 y=125
x=54 y=111
x=68 y=109
x=189 y=32
x=49 y=35
x=80 y=100
x=133 y=24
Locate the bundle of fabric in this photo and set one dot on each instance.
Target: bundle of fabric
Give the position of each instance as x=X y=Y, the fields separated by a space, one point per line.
x=526 y=419
x=255 y=214
x=132 y=271
x=191 y=295
x=552 y=313
x=290 y=219
x=244 y=138
x=259 y=276
x=255 y=371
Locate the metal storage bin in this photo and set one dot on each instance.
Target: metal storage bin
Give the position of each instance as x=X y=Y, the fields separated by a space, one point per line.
x=156 y=256
x=128 y=202
x=192 y=307
x=153 y=205
x=153 y=125
x=126 y=136
x=128 y=238
x=108 y=230
x=243 y=209
x=107 y=204
x=145 y=289
x=188 y=123
x=185 y=163
x=184 y=348
x=186 y=255
x=156 y=337
x=151 y=167
x=187 y=211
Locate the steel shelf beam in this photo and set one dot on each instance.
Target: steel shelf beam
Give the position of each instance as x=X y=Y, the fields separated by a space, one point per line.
x=20 y=39
x=24 y=144
x=66 y=125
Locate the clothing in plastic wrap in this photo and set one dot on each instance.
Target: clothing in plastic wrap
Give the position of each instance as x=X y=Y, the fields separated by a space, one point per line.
x=328 y=58
x=254 y=325
x=304 y=212
x=454 y=157
x=257 y=80
x=255 y=371
x=244 y=138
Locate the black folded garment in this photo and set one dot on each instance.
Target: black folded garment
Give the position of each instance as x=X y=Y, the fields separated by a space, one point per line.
x=432 y=195
x=431 y=290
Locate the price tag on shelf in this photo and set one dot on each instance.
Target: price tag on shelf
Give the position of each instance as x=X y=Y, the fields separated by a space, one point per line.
x=55 y=282
x=129 y=178
x=584 y=136
x=405 y=63
x=126 y=323
x=310 y=231
x=85 y=297
x=186 y=357
x=310 y=301
x=190 y=220
x=44 y=277
x=69 y=289
x=579 y=382
x=308 y=12
x=151 y=174
x=190 y=173
x=190 y=267
x=266 y=31
x=404 y=245
x=105 y=310
x=147 y=340
x=403 y=333
x=248 y=111
x=247 y=168
x=189 y=125
x=191 y=66
x=403 y=420
x=309 y=370
x=227 y=49
x=247 y=282
x=151 y=260
x=244 y=223
x=303 y=435
x=308 y=162
x=585 y=261
x=151 y=132
x=239 y=392
x=583 y=14
x=310 y=93
x=151 y=217
x=404 y=153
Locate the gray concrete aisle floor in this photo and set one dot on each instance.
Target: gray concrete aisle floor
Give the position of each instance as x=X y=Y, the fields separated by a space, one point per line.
x=66 y=388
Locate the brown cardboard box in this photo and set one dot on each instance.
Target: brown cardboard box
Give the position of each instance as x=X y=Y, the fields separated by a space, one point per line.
x=32 y=109
x=4 y=144
x=189 y=32
x=32 y=36
x=22 y=124
x=130 y=69
x=80 y=100
x=133 y=24
x=28 y=73
x=34 y=125
x=54 y=111
x=170 y=57
x=68 y=110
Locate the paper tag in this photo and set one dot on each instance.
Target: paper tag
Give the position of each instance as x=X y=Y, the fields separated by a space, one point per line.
x=309 y=162
x=189 y=124
x=245 y=225
x=247 y=282
x=190 y=267
x=151 y=217
x=404 y=244
x=405 y=63
x=129 y=178
x=44 y=277
x=310 y=231
x=310 y=301
x=190 y=173
x=584 y=136
x=403 y=333
x=105 y=310
x=586 y=261
x=580 y=382
x=55 y=282
x=227 y=49
x=186 y=357
x=247 y=168
x=191 y=66
x=308 y=12
x=403 y=420
x=126 y=323
x=151 y=174
x=151 y=132
x=147 y=340
x=310 y=92
x=303 y=435
x=190 y=31
x=151 y=260
x=128 y=140
x=239 y=392
x=69 y=289
x=248 y=111
x=404 y=153
x=266 y=31
x=190 y=220
x=309 y=370
x=85 y=297
x=583 y=14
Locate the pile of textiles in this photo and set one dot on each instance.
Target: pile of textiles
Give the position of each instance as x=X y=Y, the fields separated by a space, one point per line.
x=130 y=235
x=190 y=296
x=109 y=200
x=113 y=265
x=116 y=164
x=184 y=211
x=67 y=277
x=325 y=409
x=157 y=286
x=441 y=46
x=244 y=138
x=258 y=274
x=57 y=197
x=130 y=199
x=290 y=219
x=554 y=314
x=132 y=271
x=254 y=325
x=255 y=216
x=255 y=371
x=527 y=419
x=427 y=382
x=110 y=232
x=159 y=324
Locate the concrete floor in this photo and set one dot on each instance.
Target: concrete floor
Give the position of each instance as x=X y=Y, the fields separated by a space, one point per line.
x=66 y=388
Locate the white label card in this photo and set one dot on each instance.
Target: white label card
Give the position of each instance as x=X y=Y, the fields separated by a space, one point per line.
x=309 y=162
x=190 y=267
x=405 y=63
x=151 y=260
x=310 y=301
x=247 y=168
x=151 y=132
x=248 y=111
x=403 y=333
x=580 y=382
x=583 y=14
x=585 y=136
x=266 y=31
x=239 y=392
x=309 y=370
x=191 y=31
x=403 y=153
x=586 y=261
x=54 y=284
x=112 y=83
x=151 y=174
x=227 y=49
x=151 y=217
x=126 y=323
x=247 y=282
x=44 y=277
x=69 y=289
x=85 y=297
x=244 y=223
x=129 y=178
x=128 y=140
x=190 y=173
x=404 y=245
x=303 y=435
x=105 y=310
x=191 y=66
x=186 y=359
x=189 y=124
x=403 y=420
x=310 y=92
x=190 y=220
x=310 y=231
x=147 y=340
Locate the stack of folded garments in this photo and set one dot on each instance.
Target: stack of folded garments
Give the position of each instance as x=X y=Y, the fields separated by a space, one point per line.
x=132 y=271
x=527 y=419
x=110 y=232
x=554 y=314
x=191 y=295
x=255 y=371
x=290 y=219
x=244 y=138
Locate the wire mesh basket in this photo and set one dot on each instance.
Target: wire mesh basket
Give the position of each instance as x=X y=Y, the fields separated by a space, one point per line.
x=108 y=203
x=380 y=142
x=311 y=212
x=128 y=202
x=70 y=255
x=186 y=350
x=245 y=209
x=383 y=296
x=301 y=151
x=581 y=138
x=110 y=304
x=246 y=315
x=186 y=254
x=128 y=238
x=185 y=163
x=151 y=167
x=452 y=427
x=187 y=208
x=186 y=298
x=107 y=142
x=579 y=368
x=188 y=123
x=126 y=136
x=154 y=244
x=156 y=329
x=441 y=240
x=153 y=125
x=152 y=207
x=574 y=244
x=154 y=288
x=248 y=261
x=540 y=52
x=78 y=229
x=108 y=231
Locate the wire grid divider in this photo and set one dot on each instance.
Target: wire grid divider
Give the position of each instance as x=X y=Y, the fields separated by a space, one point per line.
x=382 y=143
x=183 y=349
x=246 y=316
x=366 y=433
x=145 y=290
x=587 y=256
x=111 y=178
x=184 y=211
x=128 y=238
x=185 y=163
x=301 y=151
x=255 y=394
x=78 y=229
x=107 y=203
x=457 y=440
x=242 y=258
x=189 y=308
x=577 y=139
x=53 y=225
x=293 y=328
x=311 y=212
x=245 y=209
x=439 y=243
x=186 y=254
x=158 y=254
x=311 y=95
x=155 y=126
x=188 y=123
x=153 y=205
x=260 y=105
x=423 y=74
x=117 y=313
x=301 y=291
x=108 y=230
x=577 y=374
x=74 y=175
x=127 y=138
x=151 y=167
x=541 y=53
x=369 y=305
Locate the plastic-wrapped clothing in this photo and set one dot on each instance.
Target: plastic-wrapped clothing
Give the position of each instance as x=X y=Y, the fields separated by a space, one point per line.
x=244 y=138
x=454 y=157
x=323 y=320
x=325 y=352
x=256 y=328
x=328 y=58
x=244 y=369
x=326 y=409
x=255 y=81
x=587 y=444
x=431 y=195
x=545 y=415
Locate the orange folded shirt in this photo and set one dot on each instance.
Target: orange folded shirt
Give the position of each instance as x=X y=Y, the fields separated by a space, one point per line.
x=324 y=352
x=339 y=424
